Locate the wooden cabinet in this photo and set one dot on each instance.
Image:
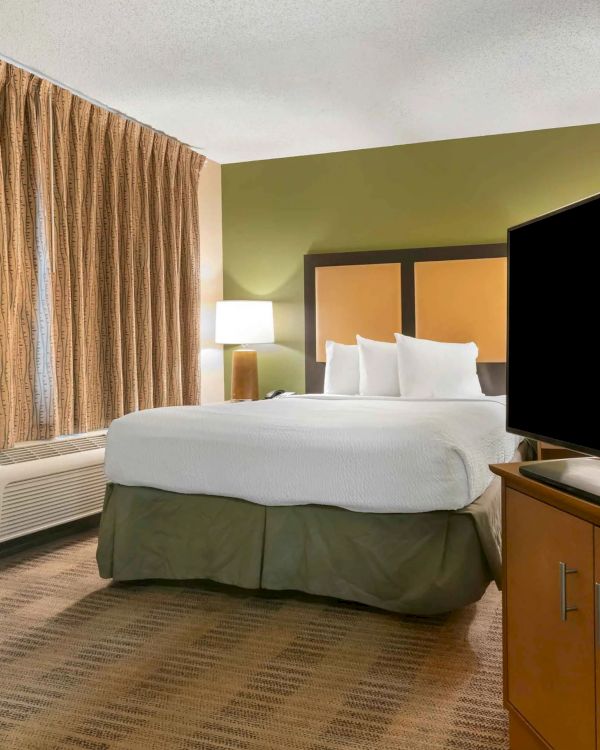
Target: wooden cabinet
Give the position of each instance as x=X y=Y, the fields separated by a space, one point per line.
x=551 y=560
x=550 y=620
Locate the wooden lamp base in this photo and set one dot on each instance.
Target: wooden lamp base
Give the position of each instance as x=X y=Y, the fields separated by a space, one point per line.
x=244 y=375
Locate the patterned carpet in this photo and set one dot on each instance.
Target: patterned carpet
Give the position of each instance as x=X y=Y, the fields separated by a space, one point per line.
x=163 y=667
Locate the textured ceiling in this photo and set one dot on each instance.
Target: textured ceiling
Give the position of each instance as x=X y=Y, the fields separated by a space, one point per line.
x=269 y=78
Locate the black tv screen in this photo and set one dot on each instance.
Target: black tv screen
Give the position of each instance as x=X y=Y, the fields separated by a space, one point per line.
x=553 y=383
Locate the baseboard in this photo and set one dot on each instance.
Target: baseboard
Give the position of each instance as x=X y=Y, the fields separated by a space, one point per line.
x=13 y=546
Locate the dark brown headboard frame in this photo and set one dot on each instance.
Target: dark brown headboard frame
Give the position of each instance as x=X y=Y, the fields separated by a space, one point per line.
x=491 y=374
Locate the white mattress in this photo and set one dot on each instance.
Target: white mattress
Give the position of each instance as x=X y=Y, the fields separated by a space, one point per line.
x=377 y=455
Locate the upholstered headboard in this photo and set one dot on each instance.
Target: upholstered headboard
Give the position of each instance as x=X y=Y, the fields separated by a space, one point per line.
x=440 y=293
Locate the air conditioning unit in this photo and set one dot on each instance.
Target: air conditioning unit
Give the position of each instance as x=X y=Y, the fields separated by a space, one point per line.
x=50 y=483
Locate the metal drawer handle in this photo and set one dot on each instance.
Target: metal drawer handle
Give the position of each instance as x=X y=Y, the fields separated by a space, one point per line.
x=564 y=572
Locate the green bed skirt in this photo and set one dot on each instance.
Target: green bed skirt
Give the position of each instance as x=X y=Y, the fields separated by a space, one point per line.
x=415 y=563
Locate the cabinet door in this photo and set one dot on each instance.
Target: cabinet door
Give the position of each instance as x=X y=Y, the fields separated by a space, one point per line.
x=549 y=621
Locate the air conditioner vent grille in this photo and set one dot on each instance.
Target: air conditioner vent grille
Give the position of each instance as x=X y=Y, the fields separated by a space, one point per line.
x=20 y=454
x=39 y=502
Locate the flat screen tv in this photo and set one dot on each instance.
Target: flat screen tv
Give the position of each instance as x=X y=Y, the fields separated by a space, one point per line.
x=553 y=379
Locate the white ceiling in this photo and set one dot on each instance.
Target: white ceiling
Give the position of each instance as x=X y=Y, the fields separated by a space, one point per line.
x=258 y=79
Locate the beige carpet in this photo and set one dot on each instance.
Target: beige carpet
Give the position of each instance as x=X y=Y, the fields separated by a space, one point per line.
x=146 y=667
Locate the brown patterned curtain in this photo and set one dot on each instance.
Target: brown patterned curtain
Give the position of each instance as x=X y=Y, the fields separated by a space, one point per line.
x=99 y=264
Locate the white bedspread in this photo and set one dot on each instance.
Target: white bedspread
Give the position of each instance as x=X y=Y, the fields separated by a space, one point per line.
x=378 y=455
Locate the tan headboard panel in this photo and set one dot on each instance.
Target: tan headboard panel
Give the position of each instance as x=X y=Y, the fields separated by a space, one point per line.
x=463 y=300
x=442 y=293
x=362 y=298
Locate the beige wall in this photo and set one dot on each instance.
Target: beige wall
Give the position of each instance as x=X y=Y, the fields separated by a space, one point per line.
x=211 y=281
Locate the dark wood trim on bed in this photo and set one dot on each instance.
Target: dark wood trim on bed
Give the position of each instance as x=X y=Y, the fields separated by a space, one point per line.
x=491 y=374
x=407 y=279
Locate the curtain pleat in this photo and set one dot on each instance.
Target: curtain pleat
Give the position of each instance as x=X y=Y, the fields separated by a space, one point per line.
x=99 y=264
x=26 y=399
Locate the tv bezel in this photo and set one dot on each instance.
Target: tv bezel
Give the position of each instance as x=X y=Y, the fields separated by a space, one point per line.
x=537 y=436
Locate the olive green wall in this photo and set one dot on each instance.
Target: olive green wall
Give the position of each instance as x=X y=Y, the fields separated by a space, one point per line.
x=443 y=193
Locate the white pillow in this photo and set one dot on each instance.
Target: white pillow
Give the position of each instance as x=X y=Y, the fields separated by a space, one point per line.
x=341 y=368
x=378 y=363
x=435 y=369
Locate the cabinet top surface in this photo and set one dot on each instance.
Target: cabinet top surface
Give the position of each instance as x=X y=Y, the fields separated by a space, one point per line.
x=562 y=500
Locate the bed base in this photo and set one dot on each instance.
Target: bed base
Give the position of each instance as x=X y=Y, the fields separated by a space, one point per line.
x=413 y=563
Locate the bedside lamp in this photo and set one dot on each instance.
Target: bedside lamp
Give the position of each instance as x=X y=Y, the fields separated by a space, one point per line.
x=244 y=322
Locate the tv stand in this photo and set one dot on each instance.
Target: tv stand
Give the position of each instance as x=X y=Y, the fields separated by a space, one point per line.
x=551 y=591
x=577 y=476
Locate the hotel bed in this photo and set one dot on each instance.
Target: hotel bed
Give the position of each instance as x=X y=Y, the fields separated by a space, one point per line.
x=384 y=501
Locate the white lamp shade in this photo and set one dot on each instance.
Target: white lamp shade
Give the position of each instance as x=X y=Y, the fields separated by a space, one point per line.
x=244 y=322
